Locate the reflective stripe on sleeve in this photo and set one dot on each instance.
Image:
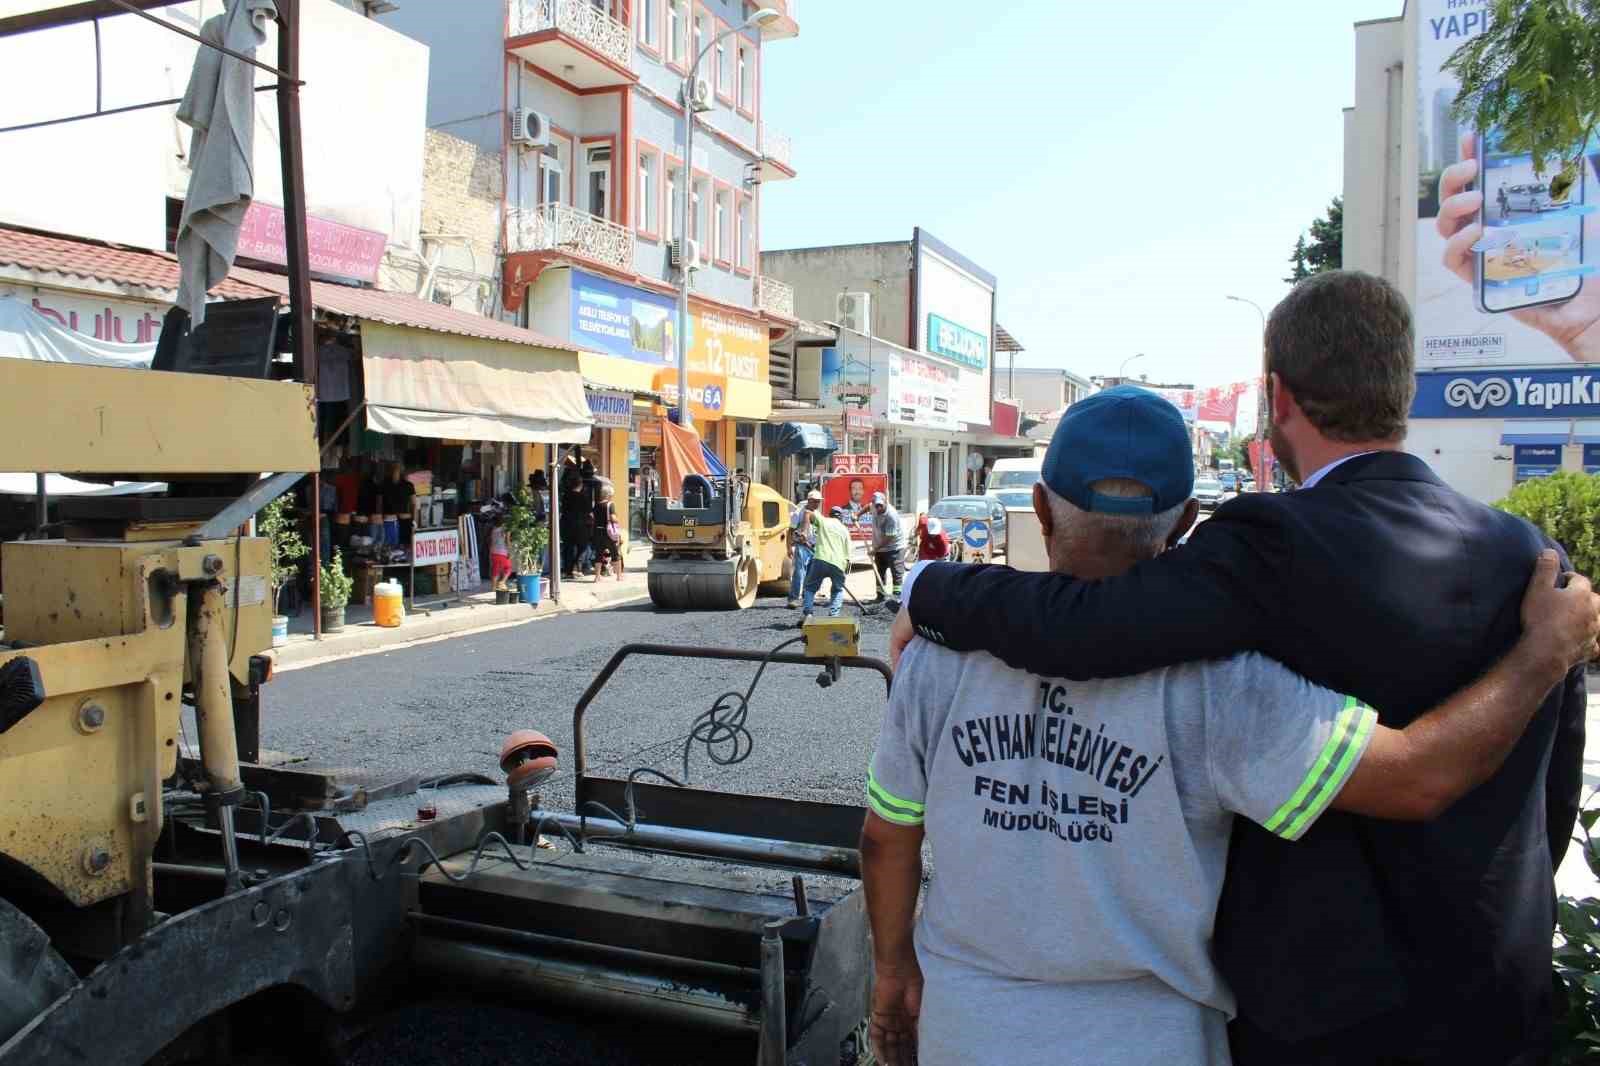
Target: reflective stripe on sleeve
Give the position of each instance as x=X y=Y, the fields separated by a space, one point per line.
x=890 y=807
x=1328 y=773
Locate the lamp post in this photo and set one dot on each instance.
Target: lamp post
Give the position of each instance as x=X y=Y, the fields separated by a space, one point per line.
x=757 y=19
x=1122 y=371
x=1261 y=401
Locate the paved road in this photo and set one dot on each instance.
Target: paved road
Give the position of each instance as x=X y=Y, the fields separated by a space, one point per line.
x=446 y=706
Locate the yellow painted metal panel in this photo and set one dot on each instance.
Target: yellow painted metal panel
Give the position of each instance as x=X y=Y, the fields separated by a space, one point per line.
x=70 y=419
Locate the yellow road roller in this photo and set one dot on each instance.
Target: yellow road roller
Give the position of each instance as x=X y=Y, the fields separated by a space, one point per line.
x=714 y=546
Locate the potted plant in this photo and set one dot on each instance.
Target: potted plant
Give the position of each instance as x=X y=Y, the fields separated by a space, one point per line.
x=528 y=538
x=335 y=594
x=284 y=548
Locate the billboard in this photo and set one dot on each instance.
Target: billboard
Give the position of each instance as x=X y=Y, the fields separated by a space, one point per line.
x=1505 y=264
x=955 y=323
x=638 y=324
x=854 y=492
x=905 y=388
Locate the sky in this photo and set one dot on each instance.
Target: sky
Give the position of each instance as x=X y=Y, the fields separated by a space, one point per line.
x=1120 y=166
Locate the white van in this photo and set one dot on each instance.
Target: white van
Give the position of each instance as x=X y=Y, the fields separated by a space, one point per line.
x=1011 y=480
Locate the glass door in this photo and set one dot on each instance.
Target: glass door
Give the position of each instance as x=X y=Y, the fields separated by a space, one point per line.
x=597 y=181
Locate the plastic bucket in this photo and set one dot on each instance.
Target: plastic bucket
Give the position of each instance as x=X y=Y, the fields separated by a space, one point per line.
x=280 y=630
x=388 y=604
x=530 y=588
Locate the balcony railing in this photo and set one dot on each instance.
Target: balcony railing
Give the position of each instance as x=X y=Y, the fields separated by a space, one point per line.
x=774 y=297
x=560 y=228
x=775 y=146
x=578 y=19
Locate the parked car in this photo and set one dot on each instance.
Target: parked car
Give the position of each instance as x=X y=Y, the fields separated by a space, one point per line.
x=952 y=509
x=1527 y=198
x=1208 y=492
x=1229 y=481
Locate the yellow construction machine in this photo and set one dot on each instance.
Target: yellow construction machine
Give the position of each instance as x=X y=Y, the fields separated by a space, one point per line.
x=714 y=546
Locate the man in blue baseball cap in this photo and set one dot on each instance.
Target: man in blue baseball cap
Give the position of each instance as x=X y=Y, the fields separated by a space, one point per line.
x=1080 y=829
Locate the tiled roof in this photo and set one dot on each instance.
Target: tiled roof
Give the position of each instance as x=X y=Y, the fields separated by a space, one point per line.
x=100 y=262
x=400 y=309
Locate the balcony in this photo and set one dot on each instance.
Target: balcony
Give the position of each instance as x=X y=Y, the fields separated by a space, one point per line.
x=776 y=164
x=572 y=40
x=773 y=297
x=567 y=231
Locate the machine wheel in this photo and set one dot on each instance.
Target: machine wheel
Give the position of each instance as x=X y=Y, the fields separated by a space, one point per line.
x=730 y=586
x=746 y=582
x=32 y=975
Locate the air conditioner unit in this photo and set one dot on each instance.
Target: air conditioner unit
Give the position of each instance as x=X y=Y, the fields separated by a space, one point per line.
x=529 y=128
x=700 y=98
x=855 y=311
x=685 y=254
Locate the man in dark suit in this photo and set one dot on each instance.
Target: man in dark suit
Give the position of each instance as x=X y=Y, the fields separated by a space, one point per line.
x=1369 y=941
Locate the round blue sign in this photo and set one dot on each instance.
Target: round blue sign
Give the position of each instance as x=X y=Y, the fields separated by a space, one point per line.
x=975 y=534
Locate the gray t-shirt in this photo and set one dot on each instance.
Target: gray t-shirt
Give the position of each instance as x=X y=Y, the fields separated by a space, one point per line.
x=1079 y=834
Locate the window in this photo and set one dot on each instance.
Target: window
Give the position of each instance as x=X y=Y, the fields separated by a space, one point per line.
x=677 y=28
x=702 y=34
x=745 y=235
x=553 y=174
x=648 y=193
x=747 y=77
x=724 y=72
x=700 y=213
x=649 y=24
x=724 y=226
x=674 y=185
x=597 y=180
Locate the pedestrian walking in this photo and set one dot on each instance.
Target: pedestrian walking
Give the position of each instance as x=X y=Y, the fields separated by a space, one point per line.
x=1122 y=794
x=570 y=487
x=801 y=539
x=830 y=560
x=607 y=534
x=888 y=546
x=499 y=553
x=1375 y=579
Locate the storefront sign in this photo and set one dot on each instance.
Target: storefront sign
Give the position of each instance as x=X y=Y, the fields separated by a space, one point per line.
x=957 y=343
x=438 y=546
x=121 y=321
x=1591 y=458
x=853 y=492
x=921 y=393
x=862 y=463
x=1536 y=460
x=707 y=392
x=611 y=409
x=858 y=420
x=332 y=247
x=1511 y=394
x=634 y=323
x=633 y=451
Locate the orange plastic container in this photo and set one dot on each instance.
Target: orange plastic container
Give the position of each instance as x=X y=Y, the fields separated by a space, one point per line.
x=388 y=604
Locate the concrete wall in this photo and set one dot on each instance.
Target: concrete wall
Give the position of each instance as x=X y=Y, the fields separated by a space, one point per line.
x=460 y=222
x=1041 y=391
x=1376 y=236
x=108 y=178
x=819 y=275
x=465 y=95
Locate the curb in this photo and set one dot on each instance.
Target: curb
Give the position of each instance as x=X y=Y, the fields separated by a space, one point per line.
x=369 y=639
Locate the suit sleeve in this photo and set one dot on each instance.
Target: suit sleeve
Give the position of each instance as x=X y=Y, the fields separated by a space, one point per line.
x=1220 y=594
x=1564 y=782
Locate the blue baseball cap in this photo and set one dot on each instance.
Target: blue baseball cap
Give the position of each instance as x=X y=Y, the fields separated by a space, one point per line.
x=1125 y=432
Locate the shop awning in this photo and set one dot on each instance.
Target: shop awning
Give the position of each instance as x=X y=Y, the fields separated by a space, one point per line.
x=1586 y=431
x=426 y=384
x=1558 y=432
x=792 y=438
x=716 y=465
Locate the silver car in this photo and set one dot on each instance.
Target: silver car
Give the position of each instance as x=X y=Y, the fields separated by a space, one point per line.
x=1208 y=492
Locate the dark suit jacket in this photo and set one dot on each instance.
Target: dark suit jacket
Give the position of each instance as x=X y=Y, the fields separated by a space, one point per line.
x=1366 y=938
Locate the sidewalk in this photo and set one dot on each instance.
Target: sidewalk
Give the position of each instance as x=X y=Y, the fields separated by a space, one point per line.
x=458 y=613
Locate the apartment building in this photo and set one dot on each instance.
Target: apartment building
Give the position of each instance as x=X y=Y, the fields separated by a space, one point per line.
x=1041 y=391
x=582 y=101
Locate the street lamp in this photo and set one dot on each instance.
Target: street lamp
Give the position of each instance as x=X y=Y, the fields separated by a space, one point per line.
x=1122 y=372
x=1261 y=401
x=761 y=17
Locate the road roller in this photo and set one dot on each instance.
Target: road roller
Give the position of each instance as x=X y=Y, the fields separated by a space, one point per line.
x=717 y=543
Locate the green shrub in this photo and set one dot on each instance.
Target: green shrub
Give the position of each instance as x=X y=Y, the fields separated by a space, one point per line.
x=284 y=545
x=1578 y=962
x=526 y=534
x=1566 y=506
x=336 y=583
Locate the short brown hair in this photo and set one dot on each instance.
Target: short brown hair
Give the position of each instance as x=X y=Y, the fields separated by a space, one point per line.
x=1342 y=341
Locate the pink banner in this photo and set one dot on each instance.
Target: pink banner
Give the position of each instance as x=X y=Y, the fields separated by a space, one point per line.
x=332 y=247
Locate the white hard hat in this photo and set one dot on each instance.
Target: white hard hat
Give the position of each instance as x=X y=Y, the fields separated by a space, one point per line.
x=934 y=528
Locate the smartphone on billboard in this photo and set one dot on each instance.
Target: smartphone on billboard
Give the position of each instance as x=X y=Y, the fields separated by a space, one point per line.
x=1532 y=250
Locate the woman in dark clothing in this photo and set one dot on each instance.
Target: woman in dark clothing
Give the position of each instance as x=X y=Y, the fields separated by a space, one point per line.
x=589 y=500
x=570 y=486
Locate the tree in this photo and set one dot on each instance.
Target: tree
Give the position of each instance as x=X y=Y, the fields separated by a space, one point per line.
x=1326 y=248
x=1533 y=76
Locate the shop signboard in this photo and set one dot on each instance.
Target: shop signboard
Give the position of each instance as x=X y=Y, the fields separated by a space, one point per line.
x=707 y=393
x=332 y=247
x=954 y=322
x=921 y=392
x=638 y=324
x=853 y=492
x=957 y=343
x=1536 y=460
x=611 y=409
x=1591 y=458
x=860 y=463
x=1503 y=287
x=633 y=450
x=858 y=420
x=435 y=546
x=1506 y=394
